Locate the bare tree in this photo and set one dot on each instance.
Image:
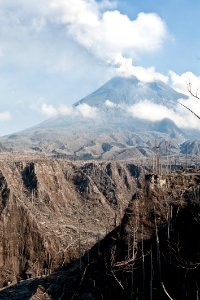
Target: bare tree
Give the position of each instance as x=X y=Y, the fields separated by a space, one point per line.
x=196 y=94
x=193 y=94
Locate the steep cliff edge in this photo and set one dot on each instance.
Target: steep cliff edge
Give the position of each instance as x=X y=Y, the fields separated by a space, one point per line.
x=153 y=254
x=51 y=211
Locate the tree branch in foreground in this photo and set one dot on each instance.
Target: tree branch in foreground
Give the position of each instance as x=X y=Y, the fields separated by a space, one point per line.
x=190 y=110
x=195 y=95
x=166 y=292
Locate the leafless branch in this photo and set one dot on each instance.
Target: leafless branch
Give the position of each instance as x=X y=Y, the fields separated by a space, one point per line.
x=127 y=262
x=195 y=95
x=117 y=280
x=166 y=292
x=190 y=109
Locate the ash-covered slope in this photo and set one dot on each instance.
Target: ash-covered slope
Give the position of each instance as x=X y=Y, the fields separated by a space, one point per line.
x=113 y=133
x=129 y=91
x=191 y=147
x=153 y=254
x=51 y=212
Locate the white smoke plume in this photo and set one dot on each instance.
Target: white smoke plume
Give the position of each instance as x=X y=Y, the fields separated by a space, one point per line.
x=109 y=34
x=98 y=26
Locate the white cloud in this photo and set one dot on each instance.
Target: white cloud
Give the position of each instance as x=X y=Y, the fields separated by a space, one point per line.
x=75 y=12
x=98 y=26
x=110 y=104
x=5 y=116
x=179 y=115
x=39 y=33
x=31 y=38
x=82 y=110
x=48 y=110
x=64 y=110
x=86 y=111
x=107 y=4
x=180 y=82
x=126 y=68
x=110 y=34
x=51 y=111
x=190 y=120
x=148 y=74
x=146 y=33
x=147 y=110
x=151 y=111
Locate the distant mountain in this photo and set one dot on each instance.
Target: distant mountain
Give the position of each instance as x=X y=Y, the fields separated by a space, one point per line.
x=113 y=133
x=130 y=91
x=190 y=147
x=169 y=127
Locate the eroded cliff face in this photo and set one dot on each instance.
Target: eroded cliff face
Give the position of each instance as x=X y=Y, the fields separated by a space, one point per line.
x=143 y=227
x=154 y=253
x=51 y=211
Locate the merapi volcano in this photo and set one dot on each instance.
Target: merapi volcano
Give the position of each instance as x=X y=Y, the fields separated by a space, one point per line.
x=108 y=130
x=129 y=91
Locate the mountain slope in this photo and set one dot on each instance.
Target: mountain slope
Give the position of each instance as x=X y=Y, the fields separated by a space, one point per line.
x=126 y=136
x=53 y=211
x=130 y=91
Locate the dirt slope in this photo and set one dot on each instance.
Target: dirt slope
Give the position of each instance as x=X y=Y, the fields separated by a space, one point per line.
x=51 y=211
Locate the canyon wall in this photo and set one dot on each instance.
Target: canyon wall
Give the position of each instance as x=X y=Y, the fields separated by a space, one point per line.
x=51 y=211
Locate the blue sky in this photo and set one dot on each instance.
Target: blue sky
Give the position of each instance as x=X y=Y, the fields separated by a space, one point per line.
x=54 y=52
x=182 y=18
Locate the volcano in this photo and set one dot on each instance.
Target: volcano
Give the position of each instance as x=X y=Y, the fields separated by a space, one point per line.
x=112 y=133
